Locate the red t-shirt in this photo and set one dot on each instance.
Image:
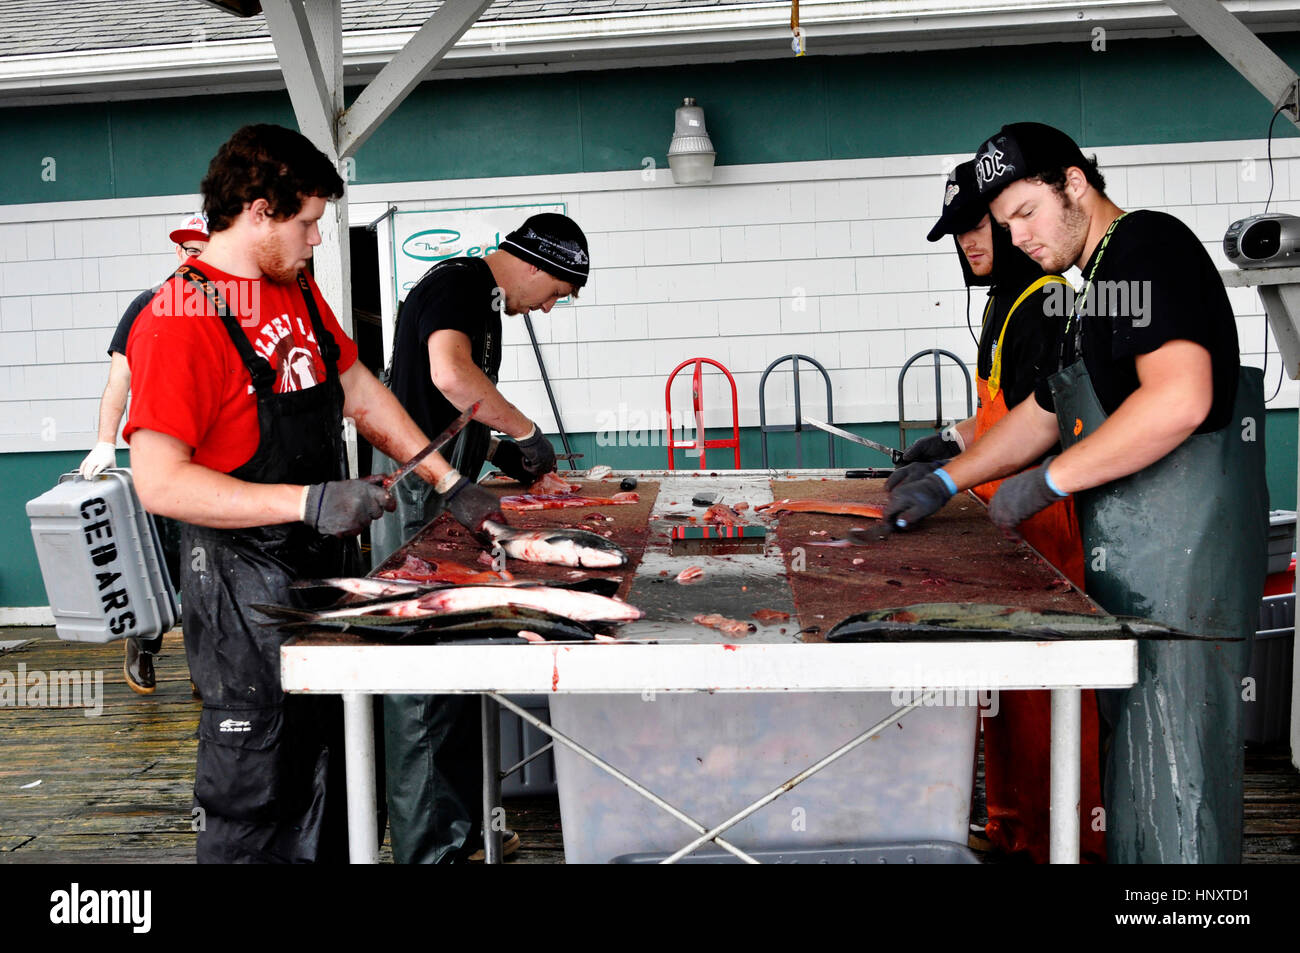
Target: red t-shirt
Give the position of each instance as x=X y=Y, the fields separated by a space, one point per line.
x=187 y=379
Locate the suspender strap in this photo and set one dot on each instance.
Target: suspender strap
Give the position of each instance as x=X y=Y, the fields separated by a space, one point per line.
x=995 y=372
x=258 y=367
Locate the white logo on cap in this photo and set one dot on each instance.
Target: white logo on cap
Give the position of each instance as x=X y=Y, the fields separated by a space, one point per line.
x=950 y=193
x=989 y=165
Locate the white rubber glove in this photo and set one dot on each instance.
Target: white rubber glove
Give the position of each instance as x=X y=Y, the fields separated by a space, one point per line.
x=101 y=458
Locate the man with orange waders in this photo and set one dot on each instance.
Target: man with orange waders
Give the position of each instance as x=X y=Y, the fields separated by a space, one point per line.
x=1164 y=456
x=1015 y=348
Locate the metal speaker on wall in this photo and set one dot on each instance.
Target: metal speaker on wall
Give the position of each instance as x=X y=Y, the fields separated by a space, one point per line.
x=690 y=154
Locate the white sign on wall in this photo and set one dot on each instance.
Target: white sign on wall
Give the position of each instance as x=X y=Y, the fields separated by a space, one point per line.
x=422 y=239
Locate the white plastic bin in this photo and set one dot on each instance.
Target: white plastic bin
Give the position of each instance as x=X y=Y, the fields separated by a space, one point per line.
x=712 y=754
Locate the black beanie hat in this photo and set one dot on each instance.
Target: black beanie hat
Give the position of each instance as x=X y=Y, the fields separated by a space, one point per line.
x=555 y=244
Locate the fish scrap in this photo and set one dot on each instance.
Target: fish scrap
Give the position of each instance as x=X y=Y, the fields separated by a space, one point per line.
x=415 y=569
x=549 y=483
x=690 y=575
x=729 y=626
x=722 y=514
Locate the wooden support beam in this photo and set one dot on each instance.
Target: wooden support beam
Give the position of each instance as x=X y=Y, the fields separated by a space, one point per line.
x=1244 y=51
x=300 y=61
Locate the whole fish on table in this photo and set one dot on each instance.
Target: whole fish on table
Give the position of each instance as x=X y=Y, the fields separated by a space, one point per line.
x=563 y=603
x=496 y=624
x=558 y=547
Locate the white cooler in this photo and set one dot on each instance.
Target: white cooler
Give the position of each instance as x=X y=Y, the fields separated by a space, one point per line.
x=101 y=560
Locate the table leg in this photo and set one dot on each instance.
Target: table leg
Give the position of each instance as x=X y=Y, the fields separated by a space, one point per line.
x=1066 y=740
x=492 y=827
x=359 y=762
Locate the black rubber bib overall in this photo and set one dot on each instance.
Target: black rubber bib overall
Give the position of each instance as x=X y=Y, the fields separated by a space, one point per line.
x=432 y=743
x=269 y=778
x=1182 y=542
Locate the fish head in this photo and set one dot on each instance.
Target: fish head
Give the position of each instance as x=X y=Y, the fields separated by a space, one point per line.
x=593 y=550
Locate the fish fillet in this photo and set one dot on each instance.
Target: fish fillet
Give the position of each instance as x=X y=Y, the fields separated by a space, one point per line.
x=549 y=501
x=829 y=507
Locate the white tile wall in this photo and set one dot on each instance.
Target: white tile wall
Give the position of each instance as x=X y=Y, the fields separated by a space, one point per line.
x=744 y=273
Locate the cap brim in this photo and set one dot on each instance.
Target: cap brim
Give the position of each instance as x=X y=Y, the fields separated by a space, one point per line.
x=954 y=223
x=183 y=235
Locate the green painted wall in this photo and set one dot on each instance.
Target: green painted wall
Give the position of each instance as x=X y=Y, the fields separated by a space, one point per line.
x=787 y=110
x=24 y=476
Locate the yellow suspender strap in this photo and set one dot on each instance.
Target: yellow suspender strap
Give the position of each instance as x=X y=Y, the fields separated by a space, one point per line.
x=995 y=372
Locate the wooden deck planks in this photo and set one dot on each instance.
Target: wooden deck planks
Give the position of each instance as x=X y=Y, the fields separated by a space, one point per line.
x=117 y=788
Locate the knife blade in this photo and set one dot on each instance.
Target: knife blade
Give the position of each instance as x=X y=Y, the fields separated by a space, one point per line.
x=436 y=444
x=893 y=454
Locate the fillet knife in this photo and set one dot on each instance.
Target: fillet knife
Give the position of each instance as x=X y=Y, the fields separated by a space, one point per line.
x=894 y=455
x=438 y=442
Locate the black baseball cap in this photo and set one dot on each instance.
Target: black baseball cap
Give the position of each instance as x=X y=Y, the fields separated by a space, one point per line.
x=555 y=244
x=963 y=206
x=1023 y=150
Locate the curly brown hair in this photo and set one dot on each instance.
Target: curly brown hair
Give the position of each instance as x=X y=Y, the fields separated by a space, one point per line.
x=267 y=162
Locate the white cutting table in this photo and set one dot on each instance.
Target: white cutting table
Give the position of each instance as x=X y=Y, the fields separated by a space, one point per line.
x=691 y=659
x=356 y=672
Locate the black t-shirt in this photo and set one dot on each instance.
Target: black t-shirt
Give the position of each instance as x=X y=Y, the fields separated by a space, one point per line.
x=1029 y=347
x=1155 y=284
x=138 y=304
x=456 y=295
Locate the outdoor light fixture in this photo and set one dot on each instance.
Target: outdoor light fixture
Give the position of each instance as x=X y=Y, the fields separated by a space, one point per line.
x=690 y=154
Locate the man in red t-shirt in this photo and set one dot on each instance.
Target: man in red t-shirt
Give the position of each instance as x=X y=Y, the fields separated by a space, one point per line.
x=241 y=379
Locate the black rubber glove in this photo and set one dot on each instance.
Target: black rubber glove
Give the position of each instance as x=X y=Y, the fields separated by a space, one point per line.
x=507 y=458
x=916 y=500
x=1021 y=496
x=537 y=453
x=913 y=471
x=934 y=447
x=345 y=507
x=471 y=506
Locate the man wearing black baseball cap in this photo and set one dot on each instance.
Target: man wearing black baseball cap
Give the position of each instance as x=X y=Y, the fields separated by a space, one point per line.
x=446 y=355
x=1163 y=441
x=1017 y=341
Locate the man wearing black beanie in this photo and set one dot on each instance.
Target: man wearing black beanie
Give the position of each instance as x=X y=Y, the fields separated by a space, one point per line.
x=446 y=355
